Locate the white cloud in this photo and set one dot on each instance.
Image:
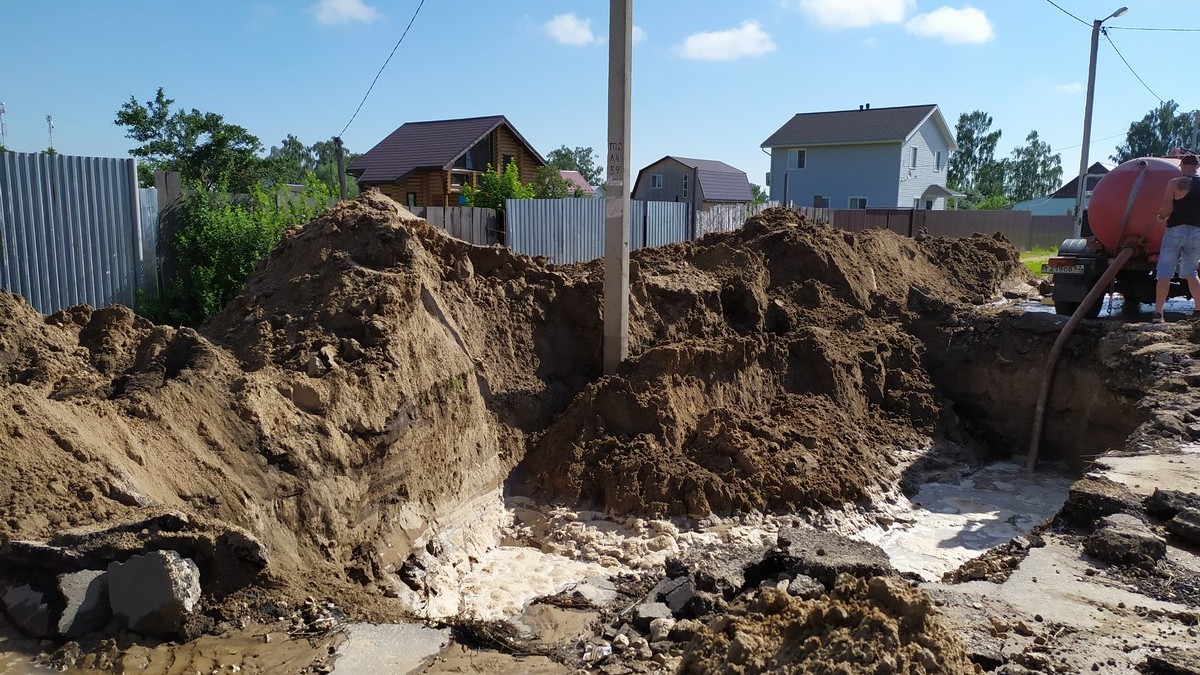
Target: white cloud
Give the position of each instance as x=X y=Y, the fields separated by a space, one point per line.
x=333 y=12
x=955 y=26
x=571 y=30
x=853 y=13
x=1069 y=88
x=727 y=45
x=639 y=35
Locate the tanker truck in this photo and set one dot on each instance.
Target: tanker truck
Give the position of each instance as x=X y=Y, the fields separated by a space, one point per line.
x=1121 y=215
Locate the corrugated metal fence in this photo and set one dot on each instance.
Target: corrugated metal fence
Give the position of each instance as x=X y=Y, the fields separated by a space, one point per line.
x=71 y=230
x=572 y=230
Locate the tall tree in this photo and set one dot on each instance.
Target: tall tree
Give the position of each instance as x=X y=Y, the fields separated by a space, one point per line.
x=974 y=160
x=757 y=194
x=201 y=146
x=1032 y=171
x=1162 y=129
x=580 y=159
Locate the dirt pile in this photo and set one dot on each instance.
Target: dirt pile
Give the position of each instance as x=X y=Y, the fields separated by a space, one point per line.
x=376 y=376
x=773 y=368
x=877 y=625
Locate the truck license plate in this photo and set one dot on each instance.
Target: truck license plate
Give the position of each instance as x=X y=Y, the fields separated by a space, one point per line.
x=1062 y=269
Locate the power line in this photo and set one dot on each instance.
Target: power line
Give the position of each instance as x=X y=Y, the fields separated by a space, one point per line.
x=1165 y=30
x=389 y=58
x=1069 y=14
x=1139 y=77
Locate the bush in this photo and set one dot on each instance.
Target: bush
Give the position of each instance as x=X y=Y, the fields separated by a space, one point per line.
x=220 y=240
x=494 y=188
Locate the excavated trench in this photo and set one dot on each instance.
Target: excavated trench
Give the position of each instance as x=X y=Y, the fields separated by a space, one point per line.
x=990 y=377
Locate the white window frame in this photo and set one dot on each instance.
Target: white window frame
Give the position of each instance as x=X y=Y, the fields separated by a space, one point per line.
x=850 y=203
x=797 y=159
x=937 y=161
x=656 y=182
x=685 y=186
x=913 y=162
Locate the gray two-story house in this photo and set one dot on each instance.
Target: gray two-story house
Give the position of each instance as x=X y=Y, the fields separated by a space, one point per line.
x=699 y=182
x=855 y=159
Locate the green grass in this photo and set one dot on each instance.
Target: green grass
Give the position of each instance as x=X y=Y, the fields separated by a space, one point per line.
x=1035 y=258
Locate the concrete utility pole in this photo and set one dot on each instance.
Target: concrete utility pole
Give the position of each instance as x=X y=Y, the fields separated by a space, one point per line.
x=1087 y=121
x=616 y=194
x=337 y=150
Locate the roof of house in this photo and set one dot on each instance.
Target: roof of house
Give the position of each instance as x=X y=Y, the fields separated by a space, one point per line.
x=866 y=125
x=435 y=144
x=575 y=178
x=719 y=181
x=1070 y=189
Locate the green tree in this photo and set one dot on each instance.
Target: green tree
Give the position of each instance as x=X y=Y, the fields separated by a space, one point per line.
x=757 y=194
x=580 y=159
x=201 y=146
x=494 y=188
x=1162 y=129
x=973 y=162
x=50 y=151
x=1032 y=171
x=219 y=242
x=548 y=183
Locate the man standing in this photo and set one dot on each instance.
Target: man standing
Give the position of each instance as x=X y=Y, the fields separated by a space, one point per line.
x=1181 y=241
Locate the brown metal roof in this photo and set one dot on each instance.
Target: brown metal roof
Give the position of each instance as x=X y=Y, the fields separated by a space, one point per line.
x=426 y=145
x=870 y=125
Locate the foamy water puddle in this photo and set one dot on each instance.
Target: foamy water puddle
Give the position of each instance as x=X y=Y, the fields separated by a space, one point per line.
x=935 y=531
x=946 y=524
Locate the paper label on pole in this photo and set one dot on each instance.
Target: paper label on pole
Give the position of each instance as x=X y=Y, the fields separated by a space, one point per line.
x=616 y=182
x=612 y=208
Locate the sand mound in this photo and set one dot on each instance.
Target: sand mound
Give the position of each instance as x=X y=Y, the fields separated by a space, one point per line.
x=775 y=371
x=863 y=626
x=376 y=376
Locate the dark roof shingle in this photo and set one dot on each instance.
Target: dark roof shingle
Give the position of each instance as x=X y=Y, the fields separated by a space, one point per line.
x=416 y=145
x=719 y=181
x=872 y=125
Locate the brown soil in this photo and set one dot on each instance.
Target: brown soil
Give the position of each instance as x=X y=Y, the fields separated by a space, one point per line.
x=375 y=374
x=876 y=626
x=773 y=370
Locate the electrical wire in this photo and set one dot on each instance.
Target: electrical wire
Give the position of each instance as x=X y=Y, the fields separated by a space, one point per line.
x=388 y=60
x=1068 y=13
x=1139 y=77
x=1165 y=30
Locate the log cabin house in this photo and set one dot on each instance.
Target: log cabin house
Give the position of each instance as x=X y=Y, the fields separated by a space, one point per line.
x=427 y=163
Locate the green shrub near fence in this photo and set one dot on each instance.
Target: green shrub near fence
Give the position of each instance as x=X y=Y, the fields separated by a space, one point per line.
x=219 y=242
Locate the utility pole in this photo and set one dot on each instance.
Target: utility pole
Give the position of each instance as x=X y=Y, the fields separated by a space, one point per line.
x=616 y=195
x=1081 y=188
x=337 y=151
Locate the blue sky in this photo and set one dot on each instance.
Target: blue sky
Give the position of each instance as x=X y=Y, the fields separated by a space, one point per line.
x=711 y=79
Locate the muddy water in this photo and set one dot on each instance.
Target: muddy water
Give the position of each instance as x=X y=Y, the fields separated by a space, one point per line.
x=552 y=549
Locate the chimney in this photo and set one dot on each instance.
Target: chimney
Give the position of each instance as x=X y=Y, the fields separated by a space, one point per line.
x=860 y=106
x=868 y=106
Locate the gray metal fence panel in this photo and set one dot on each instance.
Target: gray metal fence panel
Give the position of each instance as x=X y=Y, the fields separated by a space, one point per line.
x=70 y=229
x=572 y=230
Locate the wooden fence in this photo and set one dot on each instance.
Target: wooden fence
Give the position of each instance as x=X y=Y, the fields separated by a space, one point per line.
x=727 y=217
x=474 y=225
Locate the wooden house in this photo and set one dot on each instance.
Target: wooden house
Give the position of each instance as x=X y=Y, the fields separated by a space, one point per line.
x=427 y=163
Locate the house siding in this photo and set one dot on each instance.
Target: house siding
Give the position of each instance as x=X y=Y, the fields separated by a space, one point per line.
x=914 y=181
x=838 y=172
x=672 y=189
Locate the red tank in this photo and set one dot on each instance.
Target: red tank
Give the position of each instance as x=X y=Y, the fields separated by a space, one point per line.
x=1111 y=198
